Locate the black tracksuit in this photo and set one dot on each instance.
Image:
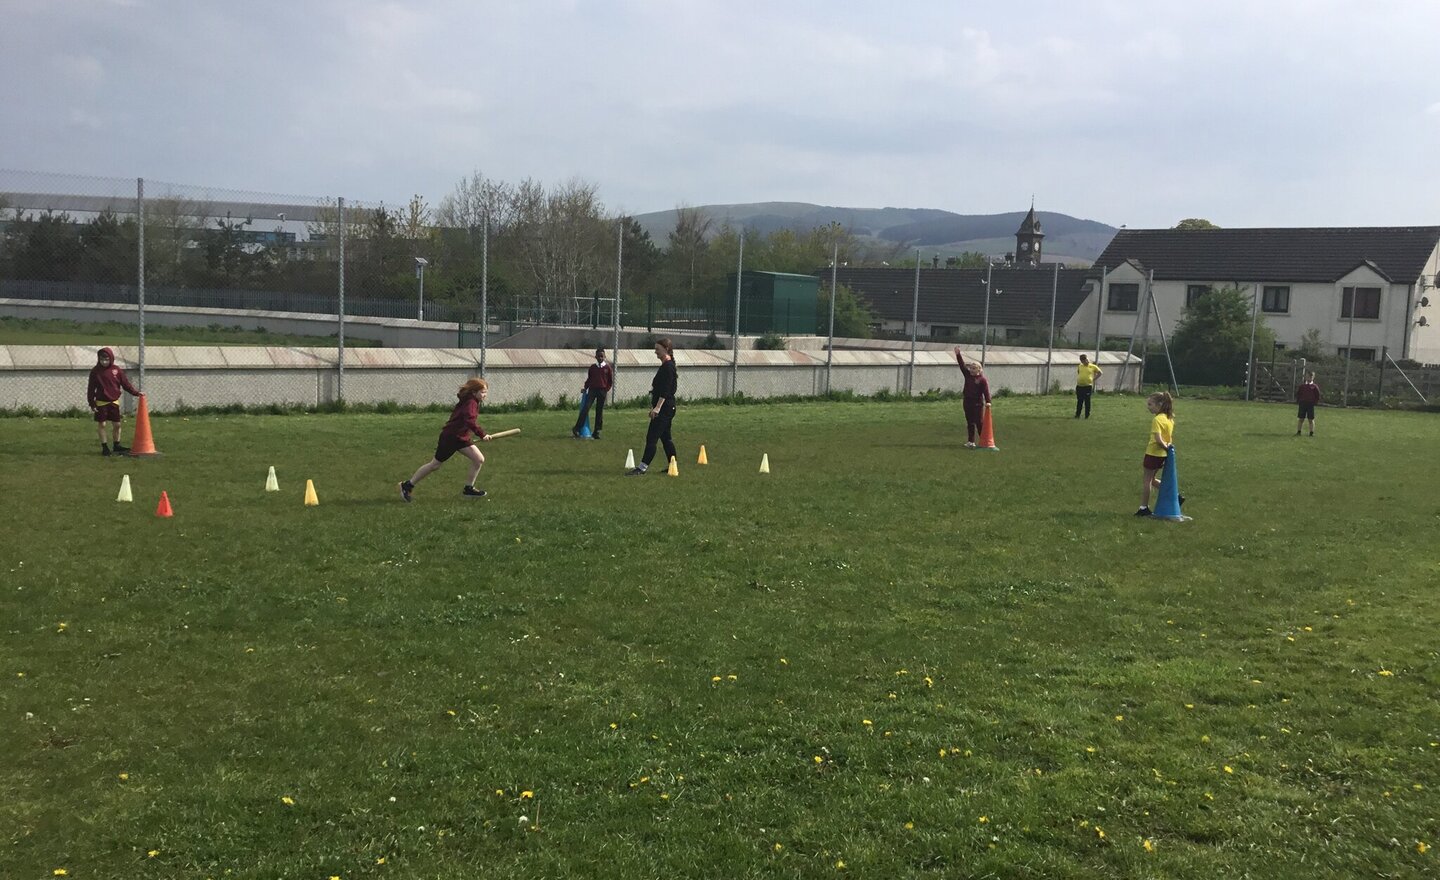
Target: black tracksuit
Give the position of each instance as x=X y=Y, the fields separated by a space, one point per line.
x=662 y=394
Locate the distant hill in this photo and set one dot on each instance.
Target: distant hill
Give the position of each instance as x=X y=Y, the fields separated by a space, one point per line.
x=944 y=232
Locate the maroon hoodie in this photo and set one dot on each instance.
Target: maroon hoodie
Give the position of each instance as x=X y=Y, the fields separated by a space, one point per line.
x=1307 y=392
x=462 y=420
x=106 y=382
x=976 y=387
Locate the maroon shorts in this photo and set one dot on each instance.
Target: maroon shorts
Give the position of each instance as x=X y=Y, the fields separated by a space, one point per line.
x=448 y=446
x=1154 y=462
x=107 y=412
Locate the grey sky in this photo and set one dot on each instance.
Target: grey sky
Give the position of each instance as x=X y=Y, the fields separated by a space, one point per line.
x=1247 y=112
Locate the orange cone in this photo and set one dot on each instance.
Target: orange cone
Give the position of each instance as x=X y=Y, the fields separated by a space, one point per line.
x=164 y=509
x=987 y=432
x=142 y=444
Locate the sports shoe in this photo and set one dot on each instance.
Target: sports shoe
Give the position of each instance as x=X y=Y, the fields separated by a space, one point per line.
x=595 y=436
x=405 y=489
x=970 y=444
x=1144 y=511
x=120 y=450
x=575 y=432
x=635 y=472
x=105 y=449
x=472 y=492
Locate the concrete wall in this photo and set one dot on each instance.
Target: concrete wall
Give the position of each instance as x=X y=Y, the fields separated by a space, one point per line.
x=51 y=378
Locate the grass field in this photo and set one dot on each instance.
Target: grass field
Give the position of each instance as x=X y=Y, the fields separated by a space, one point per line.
x=35 y=331
x=891 y=657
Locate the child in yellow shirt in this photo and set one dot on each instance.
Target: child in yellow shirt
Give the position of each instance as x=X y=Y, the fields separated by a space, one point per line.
x=1161 y=441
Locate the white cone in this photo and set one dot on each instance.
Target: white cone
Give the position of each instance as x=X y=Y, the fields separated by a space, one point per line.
x=125 y=490
x=272 y=484
x=765 y=463
x=629 y=459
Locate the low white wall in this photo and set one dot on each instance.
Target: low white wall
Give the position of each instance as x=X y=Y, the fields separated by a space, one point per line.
x=52 y=378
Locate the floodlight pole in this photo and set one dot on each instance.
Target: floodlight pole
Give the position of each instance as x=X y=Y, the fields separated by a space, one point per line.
x=985 y=333
x=830 y=345
x=1050 y=348
x=914 y=323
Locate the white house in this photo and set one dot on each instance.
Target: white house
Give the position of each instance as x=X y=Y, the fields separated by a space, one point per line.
x=1305 y=279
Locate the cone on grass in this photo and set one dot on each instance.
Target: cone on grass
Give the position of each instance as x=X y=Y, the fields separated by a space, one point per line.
x=674 y=469
x=1167 y=499
x=163 y=508
x=311 y=499
x=987 y=432
x=272 y=484
x=125 y=494
x=702 y=459
x=765 y=463
x=629 y=459
x=142 y=444
x=585 y=430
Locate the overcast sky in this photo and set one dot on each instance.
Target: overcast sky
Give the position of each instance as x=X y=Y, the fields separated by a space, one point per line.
x=1246 y=112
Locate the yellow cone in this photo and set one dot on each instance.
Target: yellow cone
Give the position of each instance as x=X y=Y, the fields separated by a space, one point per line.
x=765 y=463
x=272 y=484
x=703 y=459
x=311 y=499
x=125 y=490
x=674 y=470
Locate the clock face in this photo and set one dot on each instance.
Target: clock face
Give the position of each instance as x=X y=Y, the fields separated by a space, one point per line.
x=1024 y=245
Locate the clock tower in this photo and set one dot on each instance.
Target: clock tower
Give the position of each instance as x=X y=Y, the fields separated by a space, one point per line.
x=1028 y=240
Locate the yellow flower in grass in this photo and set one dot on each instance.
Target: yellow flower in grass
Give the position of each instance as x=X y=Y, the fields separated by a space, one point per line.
x=526 y=794
x=732 y=678
x=499 y=792
x=614 y=726
x=714 y=678
x=1119 y=717
x=61 y=626
x=1387 y=673
x=153 y=853
x=1229 y=769
x=1209 y=796
x=124 y=776
x=288 y=801
x=909 y=826
x=380 y=861
x=779 y=847
x=839 y=864
x=1149 y=845
x=867 y=722
x=1422 y=847
x=665 y=796
x=819 y=760
x=59 y=872
x=984 y=820
x=450 y=712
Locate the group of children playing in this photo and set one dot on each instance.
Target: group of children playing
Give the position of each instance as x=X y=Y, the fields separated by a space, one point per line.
x=107 y=380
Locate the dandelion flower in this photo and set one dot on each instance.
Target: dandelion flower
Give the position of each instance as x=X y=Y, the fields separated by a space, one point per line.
x=1209 y=796
x=450 y=712
x=526 y=794
x=783 y=662
x=644 y=779
x=1229 y=769
x=909 y=826
x=1417 y=786
x=714 y=678
x=819 y=760
x=124 y=776
x=1189 y=705
x=153 y=853
x=1387 y=673
x=1119 y=717
x=288 y=801
x=732 y=678
x=929 y=682
x=59 y=872
x=1089 y=750
x=499 y=792
x=867 y=722
x=984 y=820
x=779 y=847
x=1422 y=847
x=839 y=864
x=1149 y=845
x=614 y=726
x=665 y=796
x=1099 y=832
x=942 y=753
x=380 y=861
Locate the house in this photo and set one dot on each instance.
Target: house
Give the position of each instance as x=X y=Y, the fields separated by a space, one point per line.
x=1365 y=290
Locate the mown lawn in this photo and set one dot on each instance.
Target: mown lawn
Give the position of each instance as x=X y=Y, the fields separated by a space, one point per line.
x=37 y=331
x=891 y=657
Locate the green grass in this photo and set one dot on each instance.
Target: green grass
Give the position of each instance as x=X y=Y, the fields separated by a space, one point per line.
x=681 y=670
x=37 y=331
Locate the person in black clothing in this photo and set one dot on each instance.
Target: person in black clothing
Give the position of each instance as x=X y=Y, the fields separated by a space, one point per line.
x=662 y=407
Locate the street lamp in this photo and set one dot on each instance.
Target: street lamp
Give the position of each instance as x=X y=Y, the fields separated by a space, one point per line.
x=420 y=264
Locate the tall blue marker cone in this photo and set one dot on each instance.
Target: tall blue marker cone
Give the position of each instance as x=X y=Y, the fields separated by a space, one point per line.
x=1167 y=499
x=583 y=424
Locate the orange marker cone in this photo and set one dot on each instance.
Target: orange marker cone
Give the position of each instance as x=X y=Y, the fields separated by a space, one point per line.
x=142 y=444
x=703 y=459
x=674 y=470
x=987 y=432
x=163 y=510
x=311 y=499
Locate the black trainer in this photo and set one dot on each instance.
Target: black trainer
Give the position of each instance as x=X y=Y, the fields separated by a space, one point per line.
x=1144 y=511
x=595 y=436
x=472 y=492
x=405 y=489
x=120 y=450
x=105 y=449
x=636 y=472
x=575 y=432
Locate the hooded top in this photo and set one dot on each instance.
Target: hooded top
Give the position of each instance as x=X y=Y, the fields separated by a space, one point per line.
x=462 y=419
x=106 y=382
x=977 y=388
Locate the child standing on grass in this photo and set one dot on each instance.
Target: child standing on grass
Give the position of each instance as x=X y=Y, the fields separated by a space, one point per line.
x=974 y=399
x=103 y=396
x=455 y=437
x=597 y=385
x=1161 y=441
x=1307 y=394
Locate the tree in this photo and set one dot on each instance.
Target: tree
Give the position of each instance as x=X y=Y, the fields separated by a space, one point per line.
x=1195 y=223
x=1212 y=342
x=852 y=316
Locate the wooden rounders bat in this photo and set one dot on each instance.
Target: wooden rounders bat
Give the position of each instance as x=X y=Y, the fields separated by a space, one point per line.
x=510 y=433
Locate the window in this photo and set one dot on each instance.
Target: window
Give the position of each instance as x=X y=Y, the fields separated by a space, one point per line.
x=1357 y=354
x=1275 y=300
x=1124 y=298
x=1365 y=300
x=1193 y=293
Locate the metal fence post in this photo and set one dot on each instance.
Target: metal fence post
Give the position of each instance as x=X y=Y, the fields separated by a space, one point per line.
x=914 y=324
x=484 y=288
x=340 y=305
x=140 y=272
x=735 y=353
x=619 y=269
x=834 y=294
x=985 y=333
x=1050 y=349
x=1099 y=311
x=1254 y=325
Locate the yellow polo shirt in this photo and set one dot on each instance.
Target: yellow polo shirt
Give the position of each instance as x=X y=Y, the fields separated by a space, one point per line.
x=1085 y=374
x=1164 y=426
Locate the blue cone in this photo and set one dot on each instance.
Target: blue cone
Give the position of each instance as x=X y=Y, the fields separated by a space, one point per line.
x=1167 y=500
x=585 y=415
x=585 y=430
